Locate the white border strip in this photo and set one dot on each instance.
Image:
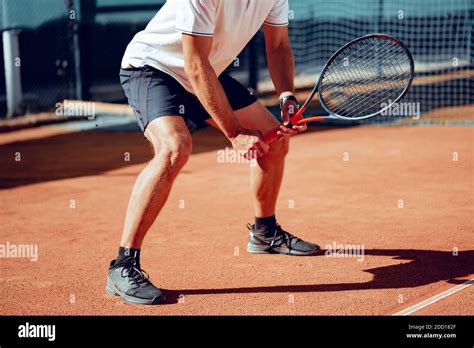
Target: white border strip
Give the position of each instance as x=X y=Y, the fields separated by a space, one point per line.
x=435 y=298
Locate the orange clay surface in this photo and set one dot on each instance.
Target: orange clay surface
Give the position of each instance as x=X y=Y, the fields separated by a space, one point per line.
x=399 y=194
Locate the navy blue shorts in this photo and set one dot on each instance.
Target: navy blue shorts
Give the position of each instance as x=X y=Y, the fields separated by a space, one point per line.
x=152 y=94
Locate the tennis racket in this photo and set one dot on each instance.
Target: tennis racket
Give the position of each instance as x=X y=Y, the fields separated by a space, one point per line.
x=361 y=80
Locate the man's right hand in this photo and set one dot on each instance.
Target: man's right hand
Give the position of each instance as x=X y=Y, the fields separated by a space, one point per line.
x=250 y=144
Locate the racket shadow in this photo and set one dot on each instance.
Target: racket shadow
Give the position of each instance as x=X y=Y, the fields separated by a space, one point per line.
x=423 y=267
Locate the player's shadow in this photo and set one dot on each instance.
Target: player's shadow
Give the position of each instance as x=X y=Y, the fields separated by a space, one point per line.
x=415 y=268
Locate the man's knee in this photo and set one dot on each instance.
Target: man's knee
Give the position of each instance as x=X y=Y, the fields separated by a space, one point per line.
x=280 y=148
x=175 y=149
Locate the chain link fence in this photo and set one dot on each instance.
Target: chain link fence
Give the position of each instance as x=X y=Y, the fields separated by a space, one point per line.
x=71 y=49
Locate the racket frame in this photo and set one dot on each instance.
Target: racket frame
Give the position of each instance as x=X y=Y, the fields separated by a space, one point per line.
x=298 y=118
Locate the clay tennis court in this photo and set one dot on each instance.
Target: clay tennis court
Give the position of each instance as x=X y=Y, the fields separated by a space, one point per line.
x=404 y=193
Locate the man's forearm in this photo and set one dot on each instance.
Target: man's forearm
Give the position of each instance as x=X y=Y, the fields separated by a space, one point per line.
x=281 y=65
x=210 y=93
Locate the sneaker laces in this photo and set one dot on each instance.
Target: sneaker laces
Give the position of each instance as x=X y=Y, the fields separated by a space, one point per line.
x=280 y=235
x=134 y=272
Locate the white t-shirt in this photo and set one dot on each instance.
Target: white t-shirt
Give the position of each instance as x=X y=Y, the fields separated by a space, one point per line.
x=232 y=23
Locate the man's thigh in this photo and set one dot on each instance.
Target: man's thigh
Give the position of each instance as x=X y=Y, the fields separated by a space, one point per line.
x=153 y=94
x=255 y=117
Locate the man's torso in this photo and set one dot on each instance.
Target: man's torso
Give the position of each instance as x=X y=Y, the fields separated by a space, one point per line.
x=231 y=23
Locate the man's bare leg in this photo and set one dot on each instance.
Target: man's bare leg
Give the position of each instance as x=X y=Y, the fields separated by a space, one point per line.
x=266 y=177
x=265 y=183
x=172 y=145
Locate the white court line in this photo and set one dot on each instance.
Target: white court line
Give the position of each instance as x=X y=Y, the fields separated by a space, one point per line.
x=435 y=298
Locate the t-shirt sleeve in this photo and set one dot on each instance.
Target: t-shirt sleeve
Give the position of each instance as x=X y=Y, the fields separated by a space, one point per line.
x=196 y=17
x=278 y=14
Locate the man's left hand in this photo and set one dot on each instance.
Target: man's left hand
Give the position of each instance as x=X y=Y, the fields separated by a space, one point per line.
x=289 y=107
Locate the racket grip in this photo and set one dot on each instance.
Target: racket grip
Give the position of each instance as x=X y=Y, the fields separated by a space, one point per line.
x=271 y=136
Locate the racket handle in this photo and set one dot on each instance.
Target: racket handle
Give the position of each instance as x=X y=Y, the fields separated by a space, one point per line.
x=273 y=136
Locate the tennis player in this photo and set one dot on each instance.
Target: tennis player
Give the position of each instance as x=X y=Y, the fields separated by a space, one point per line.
x=173 y=74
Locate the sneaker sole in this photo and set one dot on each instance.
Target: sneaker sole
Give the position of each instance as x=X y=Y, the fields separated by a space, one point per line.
x=263 y=249
x=111 y=290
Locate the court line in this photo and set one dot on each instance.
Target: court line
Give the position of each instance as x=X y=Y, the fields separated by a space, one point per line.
x=435 y=298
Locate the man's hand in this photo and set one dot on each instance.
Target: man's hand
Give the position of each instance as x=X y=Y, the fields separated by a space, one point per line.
x=250 y=144
x=289 y=108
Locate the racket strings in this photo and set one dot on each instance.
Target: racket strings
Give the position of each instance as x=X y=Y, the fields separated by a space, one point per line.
x=352 y=88
x=365 y=78
x=346 y=59
x=359 y=58
x=385 y=55
x=367 y=98
x=349 y=79
x=364 y=61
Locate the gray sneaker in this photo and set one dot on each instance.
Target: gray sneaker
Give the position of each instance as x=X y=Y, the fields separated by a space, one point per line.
x=127 y=280
x=279 y=242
